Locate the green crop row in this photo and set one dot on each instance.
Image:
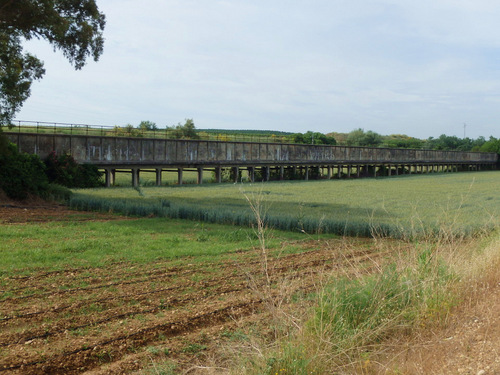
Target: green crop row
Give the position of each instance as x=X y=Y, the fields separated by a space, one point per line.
x=458 y=204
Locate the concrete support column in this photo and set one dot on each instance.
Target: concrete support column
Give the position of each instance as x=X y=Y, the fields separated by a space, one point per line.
x=307 y=174
x=251 y=174
x=135 y=177
x=397 y=170
x=349 y=170
x=236 y=173
x=267 y=174
x=218 y=175
x=158 y=176
x=109 y=175
x=375 y=171
x=199 y=179
x=329 y=172
x=389 y=171
x=179 y=176
x=358 y=170
x=339 y=171
x=282 y=173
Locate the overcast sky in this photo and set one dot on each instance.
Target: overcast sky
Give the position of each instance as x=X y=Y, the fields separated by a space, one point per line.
x=421 y=68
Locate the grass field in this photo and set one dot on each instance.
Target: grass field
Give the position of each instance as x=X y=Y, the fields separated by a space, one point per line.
x=404 y=206
x=53 y=246
x=102 y=293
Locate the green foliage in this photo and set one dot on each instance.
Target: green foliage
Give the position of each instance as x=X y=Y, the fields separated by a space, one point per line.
x=359 y=137
x=193 y=348
x=17 y=72
x=127 y=131
x=147 y=126
x=492 y=145
x=313 y=138
x=354 y=314
x=65 y=171
x=21 y=174
x=446 y=143
x=186 y=131
x=72 y=26
x=403 y=141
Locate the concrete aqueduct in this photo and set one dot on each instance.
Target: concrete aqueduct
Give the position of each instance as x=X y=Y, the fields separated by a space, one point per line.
x=133 y=155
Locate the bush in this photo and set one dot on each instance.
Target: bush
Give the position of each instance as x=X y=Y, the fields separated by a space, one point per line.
x=65 y=171
x=21 y=174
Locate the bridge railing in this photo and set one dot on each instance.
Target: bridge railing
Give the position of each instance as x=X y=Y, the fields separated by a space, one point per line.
x=41 y=127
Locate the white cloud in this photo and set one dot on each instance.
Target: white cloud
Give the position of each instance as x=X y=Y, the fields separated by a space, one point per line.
x=392 y=66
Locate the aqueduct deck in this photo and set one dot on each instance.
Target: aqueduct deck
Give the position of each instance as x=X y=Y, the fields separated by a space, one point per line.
x=134 y=155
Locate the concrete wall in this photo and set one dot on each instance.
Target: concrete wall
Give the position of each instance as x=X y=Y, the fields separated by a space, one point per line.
x=113 y=150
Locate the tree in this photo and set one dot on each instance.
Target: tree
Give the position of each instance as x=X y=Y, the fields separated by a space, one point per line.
x=359 y=137
x=313 y=138
x=186 y=131
x=403 y=141
x=492 y=145
x=147 y=125
x=73 y=26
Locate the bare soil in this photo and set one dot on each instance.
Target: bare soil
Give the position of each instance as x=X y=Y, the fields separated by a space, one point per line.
x=468 y=345
x=123 y=318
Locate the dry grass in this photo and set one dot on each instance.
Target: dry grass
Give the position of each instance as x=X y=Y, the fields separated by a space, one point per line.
x=425 y=284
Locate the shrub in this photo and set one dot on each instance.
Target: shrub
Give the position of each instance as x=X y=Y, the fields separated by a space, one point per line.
x=65 y=171
x=21 y=174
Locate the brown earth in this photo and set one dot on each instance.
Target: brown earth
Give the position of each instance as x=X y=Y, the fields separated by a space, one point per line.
x=125 y=317
x=468 y=345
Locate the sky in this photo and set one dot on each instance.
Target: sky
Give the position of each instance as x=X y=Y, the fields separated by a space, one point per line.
x=420 y=68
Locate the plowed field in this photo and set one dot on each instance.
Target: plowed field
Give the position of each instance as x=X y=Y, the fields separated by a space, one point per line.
x=124 y=317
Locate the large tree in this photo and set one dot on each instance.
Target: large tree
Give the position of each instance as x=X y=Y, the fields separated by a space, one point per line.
x=72 y=26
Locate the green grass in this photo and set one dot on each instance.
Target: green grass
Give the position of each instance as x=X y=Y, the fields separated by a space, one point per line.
x=124 y=179
x=463 y=203
x=59 y=245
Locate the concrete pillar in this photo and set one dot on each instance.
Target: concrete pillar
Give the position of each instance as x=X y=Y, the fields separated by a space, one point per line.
x=397 y=169
x=236 y=173
x=135 y=177
x=179 y=176
x=349 y=170
x=358 y=170
x=109 y=177
x=282 y=173
x=158 y=176
x=329 y=172
x=251 y=174
x=389 y=171
x=218 y=175
x=199 y=179
x=374 y=171
x=339 y=171
x=307 y=174
x=267 y=173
